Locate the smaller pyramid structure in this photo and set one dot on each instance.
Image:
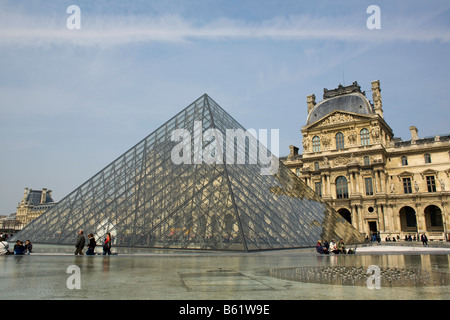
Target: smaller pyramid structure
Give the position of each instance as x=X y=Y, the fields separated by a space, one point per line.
x=184 y=187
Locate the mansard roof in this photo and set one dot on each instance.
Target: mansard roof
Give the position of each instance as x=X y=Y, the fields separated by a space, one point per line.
x=349 y=99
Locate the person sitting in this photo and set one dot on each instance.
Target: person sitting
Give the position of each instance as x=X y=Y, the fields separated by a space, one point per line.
x=28 y=247
x=4 y=246
x=19 y=248
x=341 y=247
x=320 y=249
x=333 y=247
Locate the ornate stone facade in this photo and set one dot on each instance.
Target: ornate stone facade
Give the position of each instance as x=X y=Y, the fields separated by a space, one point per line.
x=378 y=182
x=33 y=204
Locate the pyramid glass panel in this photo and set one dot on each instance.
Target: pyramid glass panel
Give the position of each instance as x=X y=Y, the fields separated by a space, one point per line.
x=189 y=186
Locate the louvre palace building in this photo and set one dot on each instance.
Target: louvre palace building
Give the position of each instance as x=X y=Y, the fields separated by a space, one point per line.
x=377 y=182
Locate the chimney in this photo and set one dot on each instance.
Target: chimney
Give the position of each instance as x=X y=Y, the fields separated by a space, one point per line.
x=293 y=151
x=25 y=195
x=311 y=102
x=414 y=135
x=43 y=195
x=376 y=95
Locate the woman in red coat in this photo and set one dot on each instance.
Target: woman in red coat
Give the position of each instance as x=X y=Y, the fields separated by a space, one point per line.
x=107 y=244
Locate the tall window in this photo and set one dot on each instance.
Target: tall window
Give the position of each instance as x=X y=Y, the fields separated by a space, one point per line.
x=318 y=187
x=369 y=186
x=431 y=184
x=404 y=161
x=366 y=160
x=341 y=188
x=316 y=144
x=407 y=185
x=298 y=172
x=365 y=137
x=427 y=158
x=316 y=166
x=339 y=140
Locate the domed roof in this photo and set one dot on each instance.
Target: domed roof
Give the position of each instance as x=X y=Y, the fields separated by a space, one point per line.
x=355 y=102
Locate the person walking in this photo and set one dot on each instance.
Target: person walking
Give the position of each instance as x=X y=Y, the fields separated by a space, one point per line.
x=80 y=243
x=424 y=239
x=107 y=245
x=91 y=245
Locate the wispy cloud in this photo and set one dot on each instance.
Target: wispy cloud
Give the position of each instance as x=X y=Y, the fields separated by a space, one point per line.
x=116 y=31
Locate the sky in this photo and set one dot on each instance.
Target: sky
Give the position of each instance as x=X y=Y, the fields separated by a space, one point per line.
x=79 y=87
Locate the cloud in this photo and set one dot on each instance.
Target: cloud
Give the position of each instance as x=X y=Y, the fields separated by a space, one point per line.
x=22 y=30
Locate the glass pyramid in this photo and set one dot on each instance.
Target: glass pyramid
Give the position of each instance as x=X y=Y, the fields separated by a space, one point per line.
x=146 y=199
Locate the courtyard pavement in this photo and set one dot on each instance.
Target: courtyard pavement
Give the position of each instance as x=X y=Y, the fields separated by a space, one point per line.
x=405 y=272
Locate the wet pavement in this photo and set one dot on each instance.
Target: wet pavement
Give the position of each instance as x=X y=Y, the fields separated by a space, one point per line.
x=404 y=273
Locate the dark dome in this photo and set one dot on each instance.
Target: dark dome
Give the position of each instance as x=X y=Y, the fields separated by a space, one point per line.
x=353 y=102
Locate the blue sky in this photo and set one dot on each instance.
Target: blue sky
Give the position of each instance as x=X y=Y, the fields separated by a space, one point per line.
x=71 y=101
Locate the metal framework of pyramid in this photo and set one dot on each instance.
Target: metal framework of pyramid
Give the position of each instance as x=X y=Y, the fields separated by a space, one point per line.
x=144 y=199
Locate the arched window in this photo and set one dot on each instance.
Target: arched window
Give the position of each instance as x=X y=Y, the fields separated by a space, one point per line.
x=316 y=144
x=365 y=137
x=341 y=188
x=339 y=140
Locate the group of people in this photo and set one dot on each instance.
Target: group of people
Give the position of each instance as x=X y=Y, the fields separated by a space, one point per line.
x=19 y=248
x=328 y=247
x=81 y=243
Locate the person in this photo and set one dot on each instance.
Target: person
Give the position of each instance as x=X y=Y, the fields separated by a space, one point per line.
x=341 y=246
x=4 y=247
x=19 y=248
x=424 y=239
x=320 y=249
x=326 y=245
x=28 y=247
x=80 y=243
x=107 y=245
x=333 y=247
x=91 y=245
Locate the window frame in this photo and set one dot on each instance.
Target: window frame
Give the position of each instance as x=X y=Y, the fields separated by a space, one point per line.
x=365 y=137
x=316 y=144
x=340 y=141
x=341 y=187
x=407 y=185
x=431 y=183
x=368 y=187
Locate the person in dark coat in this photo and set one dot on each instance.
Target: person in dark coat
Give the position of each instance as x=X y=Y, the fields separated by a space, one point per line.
x=91 y=245
x=19 y=248
x=424 y=239
x=28 y=247
x=80 y=243
x=320 y=249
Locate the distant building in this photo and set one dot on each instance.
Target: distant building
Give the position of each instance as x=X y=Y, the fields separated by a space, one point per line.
x=9 y=224
x=33 y=204
x=376 y=181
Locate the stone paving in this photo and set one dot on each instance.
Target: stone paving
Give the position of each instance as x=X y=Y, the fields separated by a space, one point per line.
x=49 y=273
